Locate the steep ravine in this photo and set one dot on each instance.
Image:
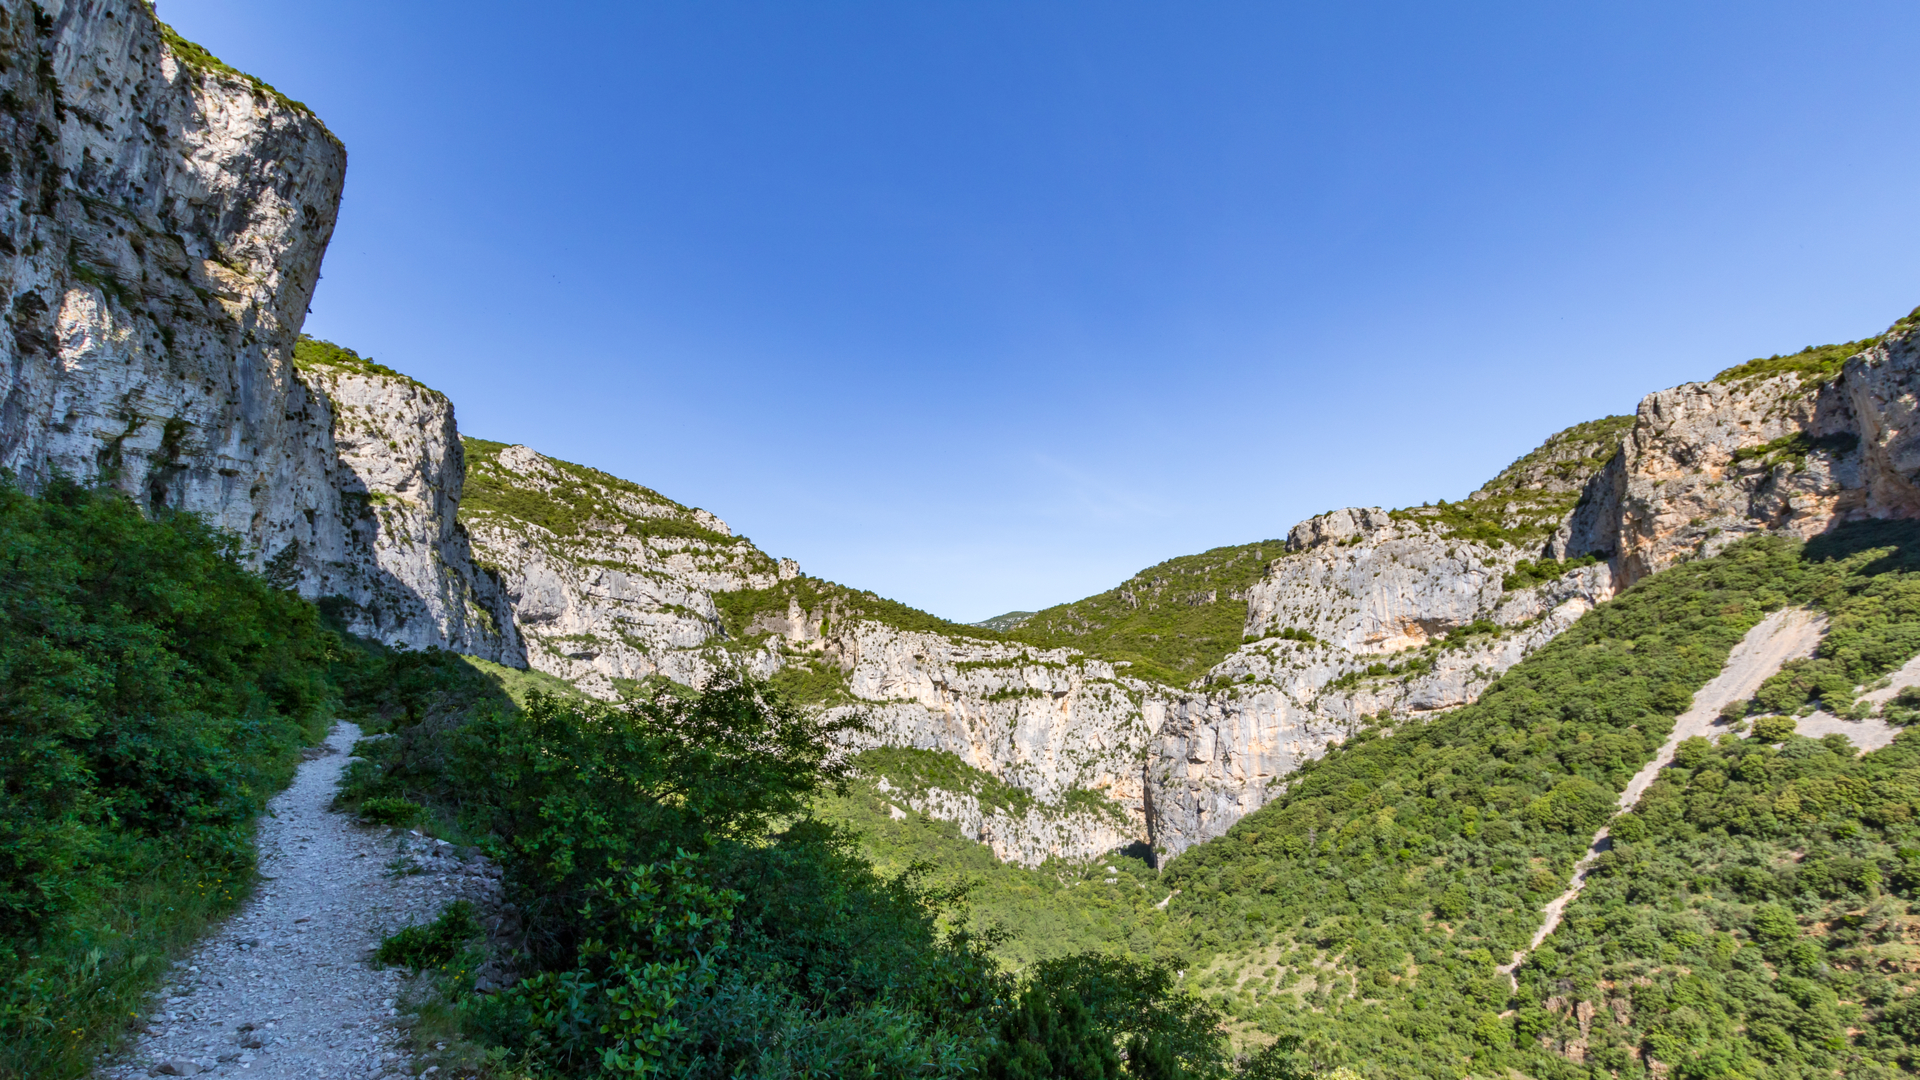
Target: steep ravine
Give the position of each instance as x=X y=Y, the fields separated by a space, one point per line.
x=160 y=238
x=1368 y=611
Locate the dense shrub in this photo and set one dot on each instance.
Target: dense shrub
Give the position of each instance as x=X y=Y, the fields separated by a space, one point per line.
x=433 y=943
x=1365 y=909
x=155 y=693
x=685 y=916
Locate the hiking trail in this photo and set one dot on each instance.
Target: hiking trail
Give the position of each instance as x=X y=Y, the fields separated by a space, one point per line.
x=285 y=987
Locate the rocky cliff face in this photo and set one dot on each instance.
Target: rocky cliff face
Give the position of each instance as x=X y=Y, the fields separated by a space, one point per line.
x=161 y=229
x=1792 y=453
x=161 y=232
x=383 y=544
x=610 y=584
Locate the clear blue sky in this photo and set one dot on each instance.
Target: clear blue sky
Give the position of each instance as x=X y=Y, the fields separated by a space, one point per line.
x=986 y=305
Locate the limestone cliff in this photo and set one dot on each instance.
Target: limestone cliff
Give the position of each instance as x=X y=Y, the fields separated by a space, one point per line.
x=384 y=547
x=1759 y=449
x=162 y=220
x=610 y=584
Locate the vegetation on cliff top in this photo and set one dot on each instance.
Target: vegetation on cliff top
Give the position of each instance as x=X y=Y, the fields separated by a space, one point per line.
x=1171 y=621
x=1526 y=502
x=827 y=605
x=573 y=501
x=311 y=353
x=1006 y=620
x=1814 y=364
x=195 y=57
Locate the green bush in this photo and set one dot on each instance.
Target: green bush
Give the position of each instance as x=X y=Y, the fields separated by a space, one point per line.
x=432 y=944
x=1051 y=1037
x=685 y=916
x=1773 y=729
x=1526 y=574
x=399 y=813
x=155 y=694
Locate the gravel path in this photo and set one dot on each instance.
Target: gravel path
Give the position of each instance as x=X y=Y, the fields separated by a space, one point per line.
x=1780 y=637
x=284 y=988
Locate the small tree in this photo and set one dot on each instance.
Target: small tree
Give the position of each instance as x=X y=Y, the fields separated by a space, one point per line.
x=1049 y=1037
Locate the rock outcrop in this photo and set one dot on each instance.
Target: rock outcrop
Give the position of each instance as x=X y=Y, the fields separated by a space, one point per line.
x=384 y=548
x=1709 y=463
x=162 y=221
x=609 y=583
x=161 y=232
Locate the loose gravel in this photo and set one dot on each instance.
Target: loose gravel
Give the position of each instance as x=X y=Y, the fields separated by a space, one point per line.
x=286 y=987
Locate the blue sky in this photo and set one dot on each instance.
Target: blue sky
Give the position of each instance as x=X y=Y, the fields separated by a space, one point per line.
x=986 y=305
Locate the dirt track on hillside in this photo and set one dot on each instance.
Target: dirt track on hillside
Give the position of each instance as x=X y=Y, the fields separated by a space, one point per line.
x=1780 y=637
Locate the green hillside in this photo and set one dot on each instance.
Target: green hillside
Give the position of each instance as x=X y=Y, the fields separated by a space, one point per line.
x=1364 y=911
x=1171 y=621
x=1526 y=502
x=578 y=500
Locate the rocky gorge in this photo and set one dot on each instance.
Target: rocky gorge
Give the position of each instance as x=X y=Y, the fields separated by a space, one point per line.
x=161 y=236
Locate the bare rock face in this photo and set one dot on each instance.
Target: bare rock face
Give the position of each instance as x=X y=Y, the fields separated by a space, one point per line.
x=1709 y=463
x=161 y=231
x=1882 y=390
x=1067 y=729
x=385 y=472
x=160 y=237
x=1379 y=588
x=1030 y=836
x=1221 y=753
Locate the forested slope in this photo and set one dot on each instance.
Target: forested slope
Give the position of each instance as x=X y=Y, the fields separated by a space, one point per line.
x=1366 y=908
x=1171 y=621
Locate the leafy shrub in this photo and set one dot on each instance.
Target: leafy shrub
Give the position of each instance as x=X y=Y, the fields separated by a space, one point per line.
x=685 y=917
x=1814 y=364
x=396 y=812
x=1526 y=574
x=1574 y=805
x=156 y=693
x=1800 y=681
x=1048 y=1036
x=1773 y=729
x=1795 y=447
x=432 y=944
